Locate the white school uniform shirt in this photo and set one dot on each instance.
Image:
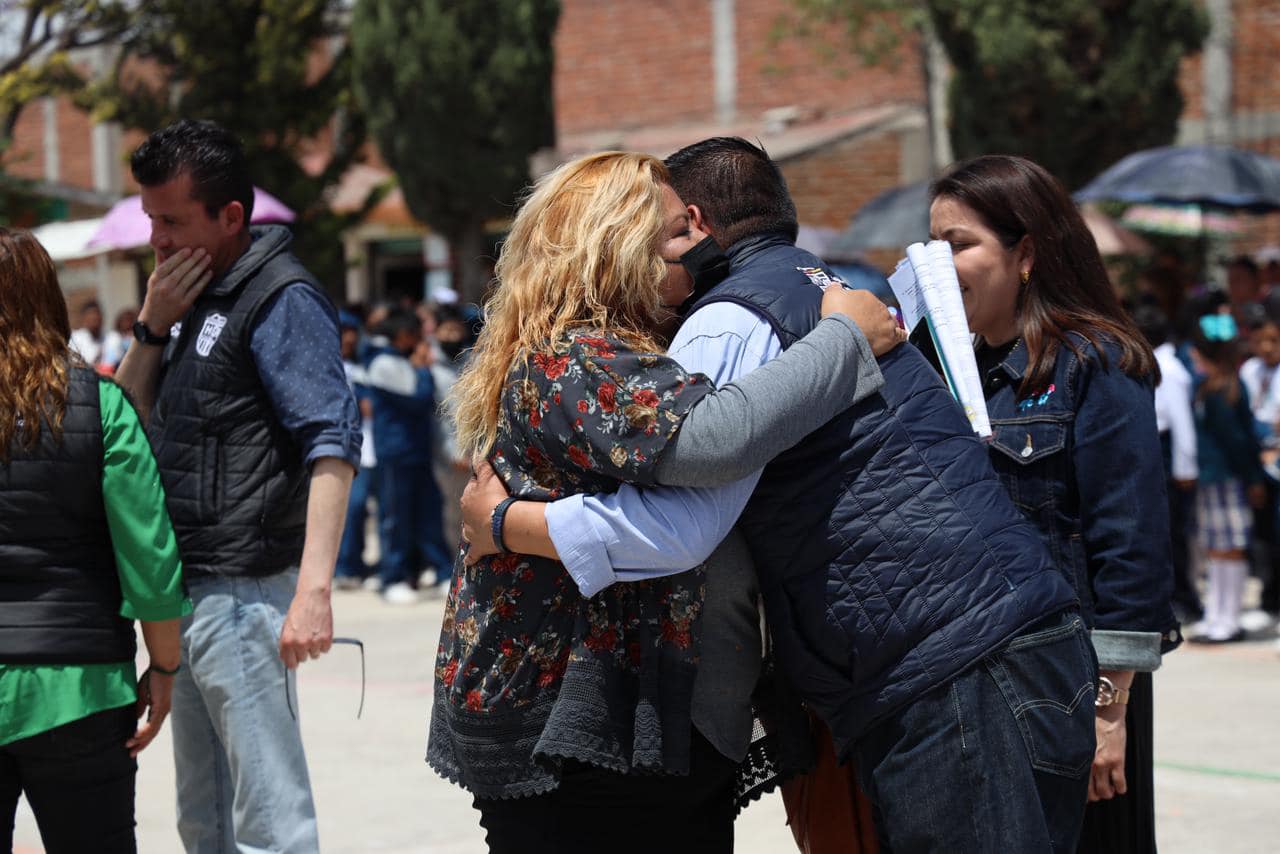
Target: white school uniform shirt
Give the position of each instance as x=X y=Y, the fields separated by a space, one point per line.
x=1263 y=385
x=1173 y=412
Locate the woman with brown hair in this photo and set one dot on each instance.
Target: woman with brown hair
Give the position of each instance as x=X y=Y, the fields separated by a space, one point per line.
x=86 y=547
x=1069 y=383
x=569 y=716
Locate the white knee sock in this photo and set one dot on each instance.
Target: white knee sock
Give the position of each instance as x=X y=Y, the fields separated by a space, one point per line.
x=1227 y=578
x=1216 y=572
x=1235 y=574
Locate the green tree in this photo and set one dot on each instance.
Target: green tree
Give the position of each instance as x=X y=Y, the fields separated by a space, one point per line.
x=253 y=66
x=1075 y=84
x=458 y=96
x=1072 y=84
x=37 y=40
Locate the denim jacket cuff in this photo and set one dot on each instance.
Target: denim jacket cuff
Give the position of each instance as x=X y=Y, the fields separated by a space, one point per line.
x=1118 y=650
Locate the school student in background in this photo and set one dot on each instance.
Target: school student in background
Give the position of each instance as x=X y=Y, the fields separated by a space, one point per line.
x=351 y=572
x=1260 y=375
x=409 y=501
x=1177 y=427
x=1231 y=478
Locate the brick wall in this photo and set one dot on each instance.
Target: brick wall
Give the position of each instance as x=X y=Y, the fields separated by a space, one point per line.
x=818 y=71
x=75 y=145
x=1255 y=47
x=623 y=64
x=830 y=184
x=25 y=155
x=1255 y=94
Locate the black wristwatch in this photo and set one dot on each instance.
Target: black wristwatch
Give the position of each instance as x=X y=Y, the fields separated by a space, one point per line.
x=146 y=336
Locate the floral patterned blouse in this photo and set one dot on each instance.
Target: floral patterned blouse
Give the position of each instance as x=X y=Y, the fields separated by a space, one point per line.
x=528 y=672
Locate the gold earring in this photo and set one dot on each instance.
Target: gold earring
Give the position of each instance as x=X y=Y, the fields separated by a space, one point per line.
x=1026 y=276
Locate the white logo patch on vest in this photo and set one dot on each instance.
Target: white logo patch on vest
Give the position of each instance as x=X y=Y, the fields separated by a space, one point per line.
x=209 y=333
x=822 y=278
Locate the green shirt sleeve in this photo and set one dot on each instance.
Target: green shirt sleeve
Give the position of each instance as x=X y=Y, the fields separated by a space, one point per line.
x=142 y=536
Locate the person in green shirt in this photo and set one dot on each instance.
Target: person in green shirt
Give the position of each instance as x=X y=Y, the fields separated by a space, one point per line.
x=86 y=548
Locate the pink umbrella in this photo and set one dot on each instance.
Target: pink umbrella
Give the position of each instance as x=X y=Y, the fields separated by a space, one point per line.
x=126 y=227
x=1111 y=237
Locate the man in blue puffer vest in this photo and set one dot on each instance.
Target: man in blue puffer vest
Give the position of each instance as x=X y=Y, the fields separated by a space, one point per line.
x=917 y=612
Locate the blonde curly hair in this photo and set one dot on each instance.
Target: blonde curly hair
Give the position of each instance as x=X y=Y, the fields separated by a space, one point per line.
x=583 y=252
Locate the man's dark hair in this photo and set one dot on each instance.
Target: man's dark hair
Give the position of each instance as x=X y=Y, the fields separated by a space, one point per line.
x=1271 y=304
x=401 y=320
x=1253 y=315
x=1244 y=262
x=740 y=190
x=1152 y=323
x=207 y=152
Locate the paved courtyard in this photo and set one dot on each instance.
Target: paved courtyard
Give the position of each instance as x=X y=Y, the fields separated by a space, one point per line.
x=1217 y=751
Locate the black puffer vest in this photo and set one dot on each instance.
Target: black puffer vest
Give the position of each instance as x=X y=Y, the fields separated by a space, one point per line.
x=59 y=591
x=235 y=481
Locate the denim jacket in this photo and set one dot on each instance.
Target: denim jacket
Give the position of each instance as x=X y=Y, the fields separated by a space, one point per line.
x=1082 y=460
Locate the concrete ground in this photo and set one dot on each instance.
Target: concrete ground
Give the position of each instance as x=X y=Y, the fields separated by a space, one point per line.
x=1217 y=751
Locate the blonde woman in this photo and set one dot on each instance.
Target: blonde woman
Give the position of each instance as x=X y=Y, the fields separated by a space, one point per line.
x=566 y=714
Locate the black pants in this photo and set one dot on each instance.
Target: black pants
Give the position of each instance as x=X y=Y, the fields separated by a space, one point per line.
x=79 y=781
x=1265 y=554
x=594 y=810
x=1126 y=824
x=1181 y=509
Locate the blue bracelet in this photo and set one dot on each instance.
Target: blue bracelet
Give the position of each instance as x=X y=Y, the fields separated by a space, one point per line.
x=497 y=520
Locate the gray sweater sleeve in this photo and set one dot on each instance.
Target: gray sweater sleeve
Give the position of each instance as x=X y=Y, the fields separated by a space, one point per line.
x=737 y=429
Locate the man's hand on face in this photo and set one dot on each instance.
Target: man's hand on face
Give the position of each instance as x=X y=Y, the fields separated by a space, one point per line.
x=173 y=288
x=872 y=317
x=422 y=355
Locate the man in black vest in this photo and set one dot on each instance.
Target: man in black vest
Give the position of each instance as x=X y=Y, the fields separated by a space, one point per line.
x=257 y=436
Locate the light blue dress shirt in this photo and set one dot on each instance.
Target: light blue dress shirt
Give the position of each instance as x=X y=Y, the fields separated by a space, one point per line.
x=634 y=534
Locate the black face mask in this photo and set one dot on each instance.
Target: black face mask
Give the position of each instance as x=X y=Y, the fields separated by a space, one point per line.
x=708 y=266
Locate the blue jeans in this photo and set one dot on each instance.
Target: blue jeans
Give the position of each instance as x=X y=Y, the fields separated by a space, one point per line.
x=412 y=530
x=241 y=773
x=998 y=758
x=351 y=549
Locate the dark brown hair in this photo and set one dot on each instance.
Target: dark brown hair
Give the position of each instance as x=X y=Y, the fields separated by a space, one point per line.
x=34 y=331
x=1223 y=357
x=1069 y=290
x=206 y=151
x=740 y=190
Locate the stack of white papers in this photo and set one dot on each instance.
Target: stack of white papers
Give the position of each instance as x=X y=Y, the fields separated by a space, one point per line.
x=926 y=286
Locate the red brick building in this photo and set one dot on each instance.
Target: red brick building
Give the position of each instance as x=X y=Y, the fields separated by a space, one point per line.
x=659 y=75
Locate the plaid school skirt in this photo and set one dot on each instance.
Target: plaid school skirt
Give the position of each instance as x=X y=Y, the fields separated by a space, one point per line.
x=1223 y=516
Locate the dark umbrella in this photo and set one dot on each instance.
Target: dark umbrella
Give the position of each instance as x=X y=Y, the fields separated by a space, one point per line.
x=1193 y=174
x=899 y=217
x=891 y=220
